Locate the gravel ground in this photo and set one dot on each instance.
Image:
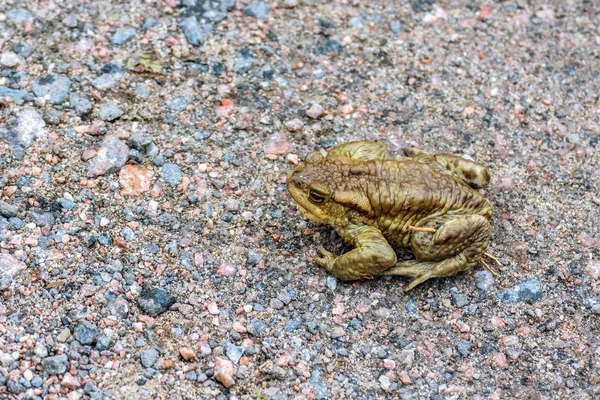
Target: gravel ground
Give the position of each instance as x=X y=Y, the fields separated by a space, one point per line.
x=148 y=248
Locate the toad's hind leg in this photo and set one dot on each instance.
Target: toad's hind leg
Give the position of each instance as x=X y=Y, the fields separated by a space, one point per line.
x=475 y=174
x=455 y=247
x=365 y=150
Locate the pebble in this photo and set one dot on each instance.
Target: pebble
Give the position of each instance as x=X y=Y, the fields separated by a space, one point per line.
x=64 y=335
x=331 y=282
x=10 y=266
x=315 y=111
x=55 y=365
x=70 y=382
x=16 y=95
x=194 y=32
x=9 y=59
x=459 y=300
x=258 y=10
x=187 y=353
x=29 y=127
x=148 y=357
x=122 y=36
x=81 y=103
x=224 y=372
x=85 y=332
x=111 y=156
x=233 y=352
x=19 y=15
x=109 y=112
x=484 y=280
x=155 y=301
x=171 y=173
x=294 y=125
x=592 y=269
x=243 y=61
x=135 y=180
x=177 y=104
x=257 y=328
x=53 y=88
x=529 y=291
x=8 y=210
x=464 y=348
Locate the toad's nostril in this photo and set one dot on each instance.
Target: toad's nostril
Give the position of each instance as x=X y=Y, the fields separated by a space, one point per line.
x=298 y=181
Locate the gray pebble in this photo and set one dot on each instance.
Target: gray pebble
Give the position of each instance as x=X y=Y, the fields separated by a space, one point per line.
x=233 y=352
x=103 y=343
x=529 y=291
x=109 y=112
x=459 y=300
x=258 y=10
x=85 y=332
x=55 y=364
x=257 y=328
x=112 y=155
x=464 y=348
x=8 y=210
x=13 y=94
x=42 y=219
x=53 y=87
x=243 y=61
x=19 y=15
x=195 y=33
x=177 y=104
x=81 y=103
x=155 y=301
x=148 y=357
x=66 y=204
x=122 y=36
x=331 y=282
x=484 y=280
x=396 y=26
x=171 y=173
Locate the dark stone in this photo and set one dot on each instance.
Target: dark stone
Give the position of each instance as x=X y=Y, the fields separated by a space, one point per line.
x=155 y=301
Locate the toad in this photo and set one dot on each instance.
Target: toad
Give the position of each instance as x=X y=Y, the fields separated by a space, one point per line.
x=424 y=203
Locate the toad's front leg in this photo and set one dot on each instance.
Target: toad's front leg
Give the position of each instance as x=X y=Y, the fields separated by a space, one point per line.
x=371 y=256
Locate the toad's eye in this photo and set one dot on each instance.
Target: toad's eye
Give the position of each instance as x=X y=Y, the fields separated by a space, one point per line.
x=316 y=197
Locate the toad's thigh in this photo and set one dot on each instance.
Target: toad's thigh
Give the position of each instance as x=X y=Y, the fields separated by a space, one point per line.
x=467 y=234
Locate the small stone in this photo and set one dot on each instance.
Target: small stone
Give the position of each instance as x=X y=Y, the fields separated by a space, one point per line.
x=484 y=280
x=148 y=357
x=10 y=266
x=103 y=343
x=529 y=291
x=171 y=173
x=81 y=103
x=135 y=180
x=9 y=59
x=331 y=282
x=278 y=145
x=122 y=36
x=40 y=350
x=459 y=300
x=42 y=219
x=194 y=32
x=330 y=46
x=404 y=378
x=64 y=335
x=118 y=306
x=384 y=382
x=109 y=112
x=257 y=328
x=243 y=61
x=155 y=301
x=66 y=204
x=112 y=156
x=224 y=372
x=19 y=15
x=55 y=365
x=233 y=352
x=16 y=95
x=29 y=127
x=53 y=88
x=258 y=10
x=396 y=26
x=290 y=3
x=227 y=269
x=592 y=269
x=315 y=111
x=464 y=348
x=140 y=140
x=500 y=360
x=85 y=332
x=70 y=382
x=177 y=104
x=294 y=125
x=6 y=359
x=187 y=353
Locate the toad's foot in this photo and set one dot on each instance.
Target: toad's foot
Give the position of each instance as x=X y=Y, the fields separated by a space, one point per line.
x=327 y=259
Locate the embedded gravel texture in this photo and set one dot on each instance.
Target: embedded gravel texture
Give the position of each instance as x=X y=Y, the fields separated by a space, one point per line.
x=148 y=248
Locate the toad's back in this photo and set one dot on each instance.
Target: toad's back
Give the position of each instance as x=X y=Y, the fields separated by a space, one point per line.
x=408 y=192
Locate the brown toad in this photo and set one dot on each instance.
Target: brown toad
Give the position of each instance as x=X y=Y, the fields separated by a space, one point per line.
x=426 y=203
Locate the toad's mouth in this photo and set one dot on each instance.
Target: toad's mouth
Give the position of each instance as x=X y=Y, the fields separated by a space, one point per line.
x=308 y=215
